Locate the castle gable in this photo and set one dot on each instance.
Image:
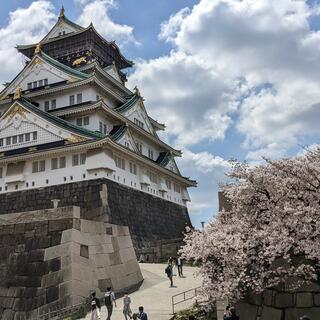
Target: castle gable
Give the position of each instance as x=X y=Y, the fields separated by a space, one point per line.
x=172 y=166
x=136 y=112
x=20 y=127
x=40 y=71
x=113 y=72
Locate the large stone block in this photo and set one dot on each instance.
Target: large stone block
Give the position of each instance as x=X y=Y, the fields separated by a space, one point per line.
x=284 y=300
x=271 y=313
x=246 y=311
x=304 y=300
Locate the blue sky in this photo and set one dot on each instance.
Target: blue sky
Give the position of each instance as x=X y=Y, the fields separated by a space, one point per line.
x=229 y=78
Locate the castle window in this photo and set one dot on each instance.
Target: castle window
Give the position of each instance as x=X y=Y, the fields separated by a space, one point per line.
x=29 y=85
x=138 y=122
x=133 y=168
x=176 y=188
x=14 y=139
x=8 y=141
x=62 y=162
x=45 y=81
x=40 y=83
x=139 y=146
x=127 y=145
x=38 y=166
x=83 y=157
x=27 y=136
x=1 y=173
x=47 y=181
x=168 y=183
x=150 y=154
x=105 y=129
x=16 y=187
x=35 y=84
x=54 y=163
x=75 y=160
x=21 y=138
x=35 y=135
x=120 y=162
x=46 y=105
x=71 y=100
x=86 y=121
x=79 y=122
x=53 y=104
x=79 y=98
x=153 y=177
x=1 y=142
x=100 y=126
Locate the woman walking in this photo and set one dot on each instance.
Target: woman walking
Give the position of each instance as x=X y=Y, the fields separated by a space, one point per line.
x=126 y=306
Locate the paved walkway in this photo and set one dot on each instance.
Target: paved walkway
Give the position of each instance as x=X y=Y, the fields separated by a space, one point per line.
x=155 y=293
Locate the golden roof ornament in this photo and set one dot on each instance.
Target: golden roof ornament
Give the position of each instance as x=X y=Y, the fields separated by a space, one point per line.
x=37 y=49
x=17 y=93
x=137 y=91
x=61 y=15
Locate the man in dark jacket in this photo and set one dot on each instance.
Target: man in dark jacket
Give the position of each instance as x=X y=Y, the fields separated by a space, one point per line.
x=142 y=315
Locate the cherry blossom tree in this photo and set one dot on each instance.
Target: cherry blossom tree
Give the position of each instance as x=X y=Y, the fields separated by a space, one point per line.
x=269 y=236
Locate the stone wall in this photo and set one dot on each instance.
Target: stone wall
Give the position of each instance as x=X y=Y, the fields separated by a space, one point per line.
x=149 y=218
x=282 y=304
x=51 y=258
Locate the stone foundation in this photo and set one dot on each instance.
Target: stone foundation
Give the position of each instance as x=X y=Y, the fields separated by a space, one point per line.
x=282 y=305
x=149 y=218
x=52 y=258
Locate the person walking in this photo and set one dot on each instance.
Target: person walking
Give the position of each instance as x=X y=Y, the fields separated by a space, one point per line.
x=126 y=306
x=232 y=315
x=179 y=265
x=227 y=313
x=169 y=272
x=109 y=300
x=95 y=307
x=142 y=315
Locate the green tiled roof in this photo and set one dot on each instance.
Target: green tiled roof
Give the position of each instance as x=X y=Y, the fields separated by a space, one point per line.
x=128 y=104
x=63 y=67
x=164 y=158
x=117 y=132
x=60 y=122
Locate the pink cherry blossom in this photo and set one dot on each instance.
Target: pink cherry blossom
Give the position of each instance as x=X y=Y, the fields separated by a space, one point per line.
x=270 y=233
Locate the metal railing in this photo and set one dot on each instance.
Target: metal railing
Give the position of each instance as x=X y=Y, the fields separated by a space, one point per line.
x=184 y=296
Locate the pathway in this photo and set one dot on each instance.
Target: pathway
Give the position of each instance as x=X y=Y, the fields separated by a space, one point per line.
x=155 y=293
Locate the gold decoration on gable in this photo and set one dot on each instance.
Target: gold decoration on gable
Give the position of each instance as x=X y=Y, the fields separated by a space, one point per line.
x=79 y=61
x=37 y=61
x=17 y=110
x=137 y=91
x=75 y=139
x=37 y=49
x=61 y=15
x=17 y=93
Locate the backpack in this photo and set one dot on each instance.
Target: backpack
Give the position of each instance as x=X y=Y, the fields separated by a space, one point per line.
x=107 y=300
x=93 y=304
x=167 y=270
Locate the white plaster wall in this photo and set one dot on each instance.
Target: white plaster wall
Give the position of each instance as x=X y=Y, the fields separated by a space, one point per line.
x=79 y=173
x=62 y=100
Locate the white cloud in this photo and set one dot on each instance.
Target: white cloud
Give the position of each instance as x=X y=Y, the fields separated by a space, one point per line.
x=23 y=28
x=97 y=12
x=209 y=170
x=263 y=50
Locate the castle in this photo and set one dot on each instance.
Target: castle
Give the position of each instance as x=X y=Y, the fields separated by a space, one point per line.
x=71 y=130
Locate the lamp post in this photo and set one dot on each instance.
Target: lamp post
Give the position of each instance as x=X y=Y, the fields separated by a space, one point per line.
x=202 y=225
